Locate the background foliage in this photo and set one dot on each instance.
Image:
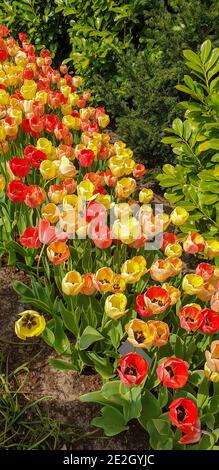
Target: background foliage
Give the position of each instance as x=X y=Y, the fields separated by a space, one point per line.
x=130 y=52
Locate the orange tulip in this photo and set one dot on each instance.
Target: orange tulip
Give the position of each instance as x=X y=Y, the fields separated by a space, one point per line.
x=58 y=252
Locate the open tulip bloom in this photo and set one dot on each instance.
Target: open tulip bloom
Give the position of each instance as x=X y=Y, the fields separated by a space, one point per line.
x=108 y=265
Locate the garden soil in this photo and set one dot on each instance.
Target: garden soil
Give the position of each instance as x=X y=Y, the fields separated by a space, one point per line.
x=60 y=389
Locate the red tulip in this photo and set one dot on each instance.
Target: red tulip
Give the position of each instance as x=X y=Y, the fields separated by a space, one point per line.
x=94 y=210
x=193 y=435
x=210 y=324
x=19 y=166
x=191 y=317
x=173 y=372
x=139 y=170
x=169 y=239
x=133 y=369
x=30 y=238
x=35 y=196
x=34 y=156
x=49 y=234
x=86 y=157
x=50 y=122
x=101 y=236
x=16 y=191
x=58 y=252
x=183 y=414
x=156 y=300
x=3 y=55
x=205 y=270
x=140 y=306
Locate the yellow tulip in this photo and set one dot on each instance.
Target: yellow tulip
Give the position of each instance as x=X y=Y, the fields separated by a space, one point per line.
x=103 y=120
x=48 y=169
x=115 y=306
x=44 y=145
x=72 y=283
x=173 y=249
x=146 y=195
x=125 y=187
x=212 y=248
x=2 y=183
x=42 y=96
x=51 y=213
x=133 y=269
x=192 y=284
x=30 y=324
x=141 y=334
x=85 y=190
x=71 y=122
x=179 y=216
x=174 y=293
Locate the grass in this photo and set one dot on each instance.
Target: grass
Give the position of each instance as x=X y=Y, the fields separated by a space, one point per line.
x=26 y=424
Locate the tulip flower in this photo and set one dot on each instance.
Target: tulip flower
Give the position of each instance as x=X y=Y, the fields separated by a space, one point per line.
x=174 y=293
x=86 y=158
x=191 y=318
x=16 y=191
x=161 y=270
x=101 y=235
x=215 y=301
x=48 y=169
x=35 y=196
x=193 y=243
x=211 y=248
x=208 y=289
x=146 y=195
x=169 y=238
x=173 y=372
x=30 y=238
x=85 y=190
x=118 y=283
x=133 y=269
x=58 y=252
x=2 y=183
x=184 y=414
x=20 y=167
x=125 y=187
x=210 y=323
x=205 y=270
x=192 y=284
x=172 y=250
x=139 y=170
x=179 y=216
x=88 y=287
x=51 y=213
x=49 y=234
x=34 y=156
x=57 y=193
x=115 y=306
x=133 y=369
x=72 y=283
x=103 y=280
x=30 y=324
x=140 y=334
x=211 y=369
x=162 y=332
x=155 y=301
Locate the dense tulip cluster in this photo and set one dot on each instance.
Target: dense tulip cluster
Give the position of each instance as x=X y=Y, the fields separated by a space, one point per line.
x=76 y=195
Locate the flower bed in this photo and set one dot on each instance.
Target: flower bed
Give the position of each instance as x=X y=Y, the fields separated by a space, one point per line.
x=108 y=278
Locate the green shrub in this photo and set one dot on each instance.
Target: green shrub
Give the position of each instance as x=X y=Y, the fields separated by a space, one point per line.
x=194 y=182
x=37 y=18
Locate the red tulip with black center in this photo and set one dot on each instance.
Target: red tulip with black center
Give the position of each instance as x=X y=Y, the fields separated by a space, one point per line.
x=173 y=372
x=184 y=414
x=133 y=369
x=210 y=321
x=154 y=301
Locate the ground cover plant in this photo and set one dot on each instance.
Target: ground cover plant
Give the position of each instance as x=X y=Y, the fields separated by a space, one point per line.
x=110 y=278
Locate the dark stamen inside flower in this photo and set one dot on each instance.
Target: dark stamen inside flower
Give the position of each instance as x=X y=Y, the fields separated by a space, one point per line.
x=116 y=286
x=158 y=302
x=181 y=413
x=104 y=281
x=130 y=370
x=170 y=371
x=28 y=322
x=139 y=337
x=190 y=319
